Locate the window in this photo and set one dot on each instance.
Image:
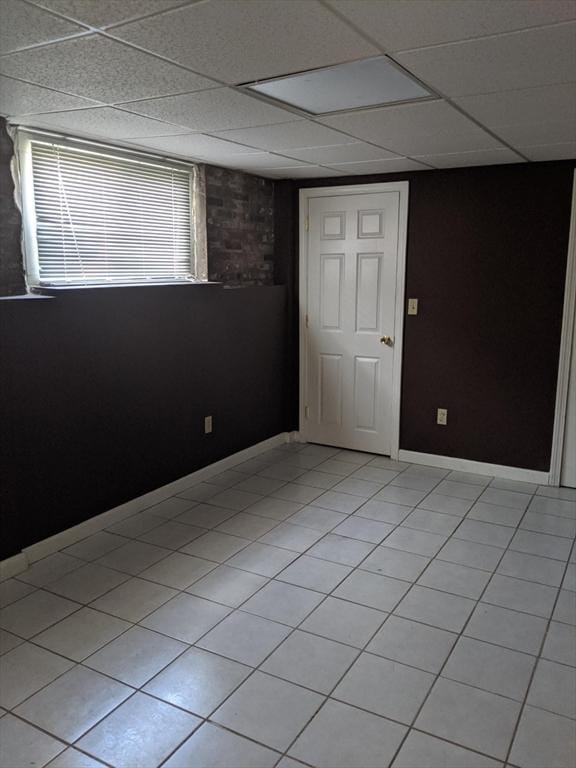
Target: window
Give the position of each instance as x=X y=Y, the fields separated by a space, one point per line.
x=98 y=216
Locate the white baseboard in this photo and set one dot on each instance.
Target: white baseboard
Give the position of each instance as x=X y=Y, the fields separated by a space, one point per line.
x=479 y=467
x=18 y=563
x=12 y=566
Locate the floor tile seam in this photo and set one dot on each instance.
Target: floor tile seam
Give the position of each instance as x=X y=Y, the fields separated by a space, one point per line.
x=49 y=626
x=140 y=574
x=509 y=546
x=533 y=581
x=425 y=530
x=66 y=744
x=469 y=516
x=137 y=574
x=266 y=494
x=459 y=637
x=460 y=746
x=428 y=564
x=93 y=755
x=145 y=629
x=36 y=644
x=293 y=629
x=546 y=533
x=81 y=663
x=286 y=638
x=263 y=661
x=227 y=729
x=531 y=680
x=108 y=529
x=442 y=512
x=523 y=552
x=337 y=562
x=360 y=651
x=441 y=670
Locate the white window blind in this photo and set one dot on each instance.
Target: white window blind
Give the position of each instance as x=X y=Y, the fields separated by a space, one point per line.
x=103 y=218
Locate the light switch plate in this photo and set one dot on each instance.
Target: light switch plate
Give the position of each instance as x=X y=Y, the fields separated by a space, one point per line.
x=412 y=306
x=207 y=425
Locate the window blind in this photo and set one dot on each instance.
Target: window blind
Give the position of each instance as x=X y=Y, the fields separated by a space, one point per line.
x=103 y=218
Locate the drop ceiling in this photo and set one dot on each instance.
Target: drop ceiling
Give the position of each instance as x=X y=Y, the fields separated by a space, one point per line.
x=169 y=76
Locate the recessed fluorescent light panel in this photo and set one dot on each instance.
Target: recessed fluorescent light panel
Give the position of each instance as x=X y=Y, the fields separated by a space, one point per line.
x=358 y=84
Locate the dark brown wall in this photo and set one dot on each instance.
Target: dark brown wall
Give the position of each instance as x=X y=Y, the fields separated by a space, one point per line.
x=104 y=394
x=239 y=227
x=486 y=258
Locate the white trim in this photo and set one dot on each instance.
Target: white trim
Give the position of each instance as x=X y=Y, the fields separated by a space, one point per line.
x=12 y=566
x=565 y=350
x=18 y=563
x=479 y=467
x=402 y=187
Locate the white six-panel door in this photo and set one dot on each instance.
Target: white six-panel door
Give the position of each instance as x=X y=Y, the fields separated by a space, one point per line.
x=352 y=261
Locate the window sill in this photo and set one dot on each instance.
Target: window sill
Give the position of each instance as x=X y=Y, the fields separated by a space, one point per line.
x=54 y=290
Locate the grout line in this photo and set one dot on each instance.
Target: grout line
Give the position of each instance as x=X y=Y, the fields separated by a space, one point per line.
x=358 y=651
x=439 y=673
x=542 y=643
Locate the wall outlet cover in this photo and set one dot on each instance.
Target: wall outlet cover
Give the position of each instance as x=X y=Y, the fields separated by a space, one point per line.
x=412 y=306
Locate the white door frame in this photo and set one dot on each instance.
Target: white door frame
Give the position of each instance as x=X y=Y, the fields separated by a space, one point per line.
x=356 y=189
x=568 y=323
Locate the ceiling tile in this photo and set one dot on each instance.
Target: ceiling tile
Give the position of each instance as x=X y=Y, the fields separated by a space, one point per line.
x=102 y=13
x=20 y=98
x=214 y=110
x=343 y=153
x=565 y=151
x=196 y=145
x=394 y=165
x=102 y=122
x=547 y=131
x=523 y=106
x=542 y=115
x=242 y=40
x=415 y=129
x=462 y=159
x=101 y=69
x=407 y=24
x=23 y=25
x=518 y=60
x=262 y=160
x=302 y=172
x=292 y=135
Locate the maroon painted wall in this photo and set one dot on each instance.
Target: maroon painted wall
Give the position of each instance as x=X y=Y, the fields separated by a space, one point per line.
x=104 y=394
x=486 y=258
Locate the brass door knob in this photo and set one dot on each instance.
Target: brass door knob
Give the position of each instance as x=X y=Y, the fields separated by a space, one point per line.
x=388 y=340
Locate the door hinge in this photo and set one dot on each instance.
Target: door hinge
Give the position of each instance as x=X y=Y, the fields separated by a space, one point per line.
x=306 y=412
x=307 y=223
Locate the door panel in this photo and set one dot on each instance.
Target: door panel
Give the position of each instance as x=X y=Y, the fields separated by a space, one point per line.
x=352 y=261
x=368 y=290
x=366 y=373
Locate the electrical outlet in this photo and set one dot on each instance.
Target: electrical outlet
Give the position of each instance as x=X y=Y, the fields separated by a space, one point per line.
x=442 y=416
x=412 y=306
x=207 y=425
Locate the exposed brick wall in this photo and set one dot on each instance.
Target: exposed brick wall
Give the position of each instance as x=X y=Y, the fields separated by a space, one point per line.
x=239 y=227
x=11 y=265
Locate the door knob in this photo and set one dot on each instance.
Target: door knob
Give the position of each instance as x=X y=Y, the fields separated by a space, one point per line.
x=388 y=340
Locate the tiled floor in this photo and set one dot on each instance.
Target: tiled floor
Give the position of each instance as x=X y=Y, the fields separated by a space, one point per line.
x=309 y=607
